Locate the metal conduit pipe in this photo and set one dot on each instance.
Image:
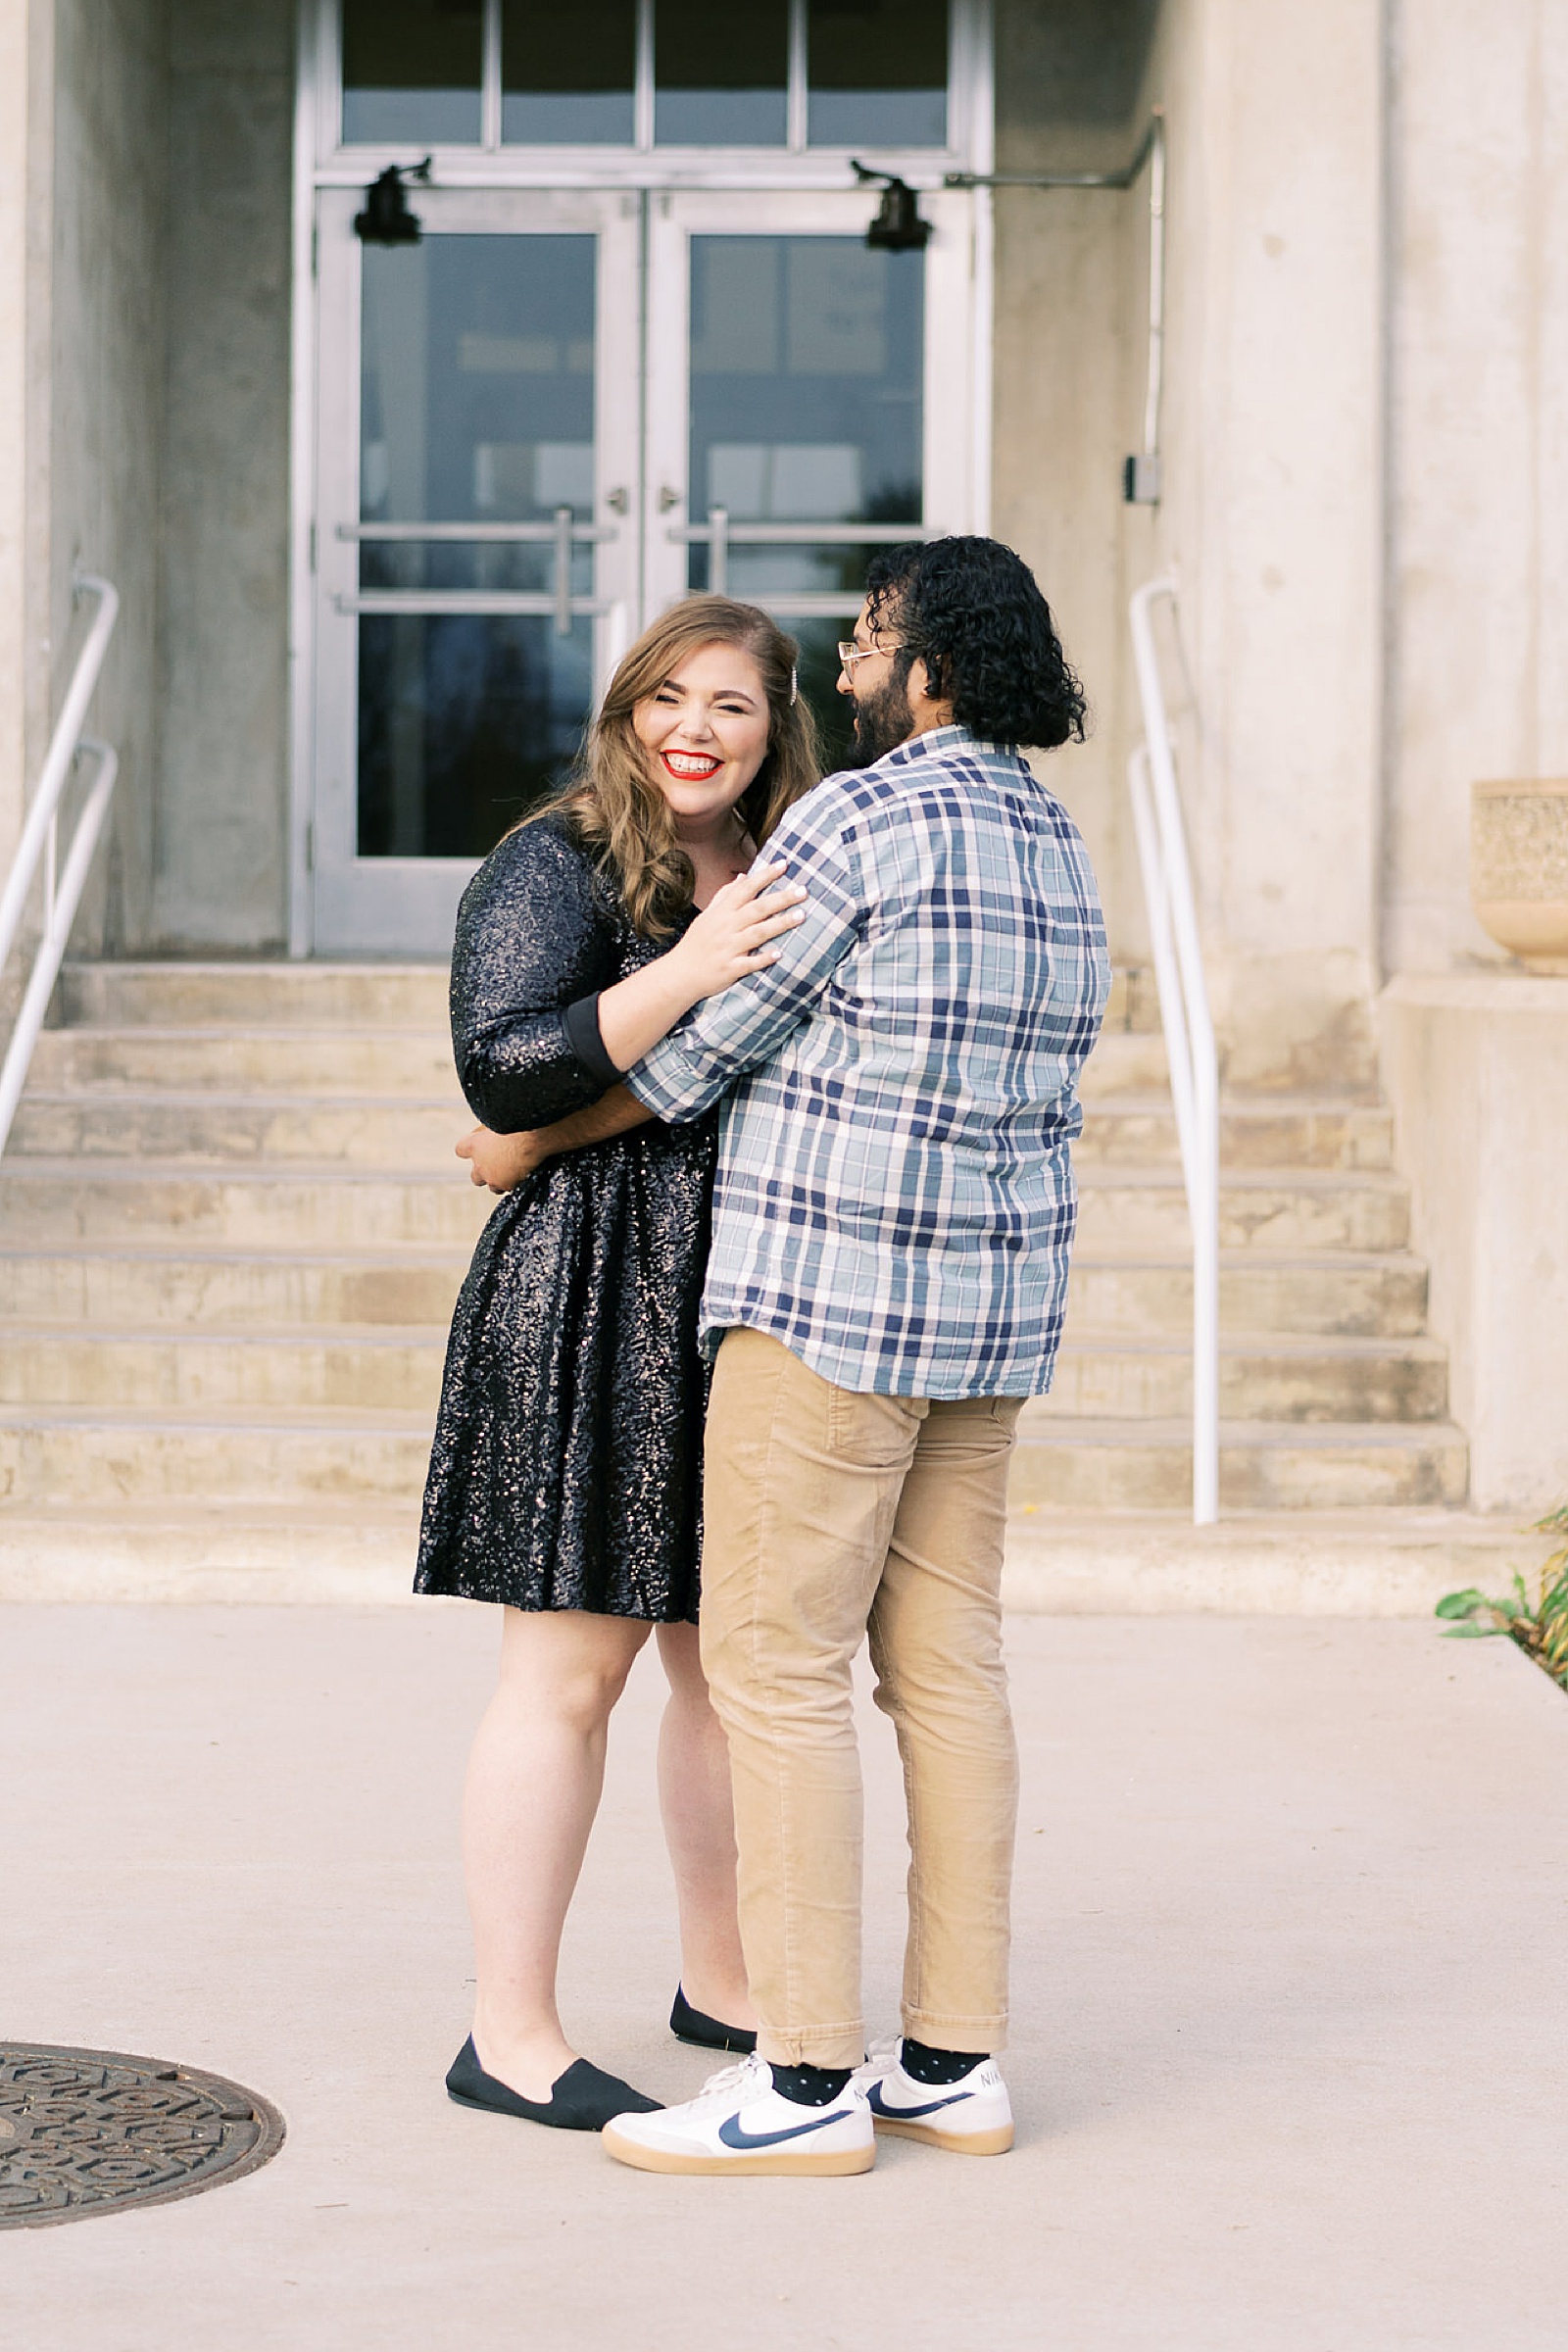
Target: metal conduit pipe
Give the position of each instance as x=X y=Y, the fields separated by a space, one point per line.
x=1141 y=482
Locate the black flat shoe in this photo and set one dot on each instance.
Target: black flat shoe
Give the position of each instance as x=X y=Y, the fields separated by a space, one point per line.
x=582 y=2099
x=690 y=2024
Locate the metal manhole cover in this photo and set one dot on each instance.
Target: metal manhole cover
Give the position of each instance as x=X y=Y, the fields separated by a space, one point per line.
x=85 y=2132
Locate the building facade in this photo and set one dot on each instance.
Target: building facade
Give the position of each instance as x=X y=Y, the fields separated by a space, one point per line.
x=381 y=514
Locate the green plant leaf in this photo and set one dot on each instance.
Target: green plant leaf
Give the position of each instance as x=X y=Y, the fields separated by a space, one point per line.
x=1462 y=1605
x=1472 y=1633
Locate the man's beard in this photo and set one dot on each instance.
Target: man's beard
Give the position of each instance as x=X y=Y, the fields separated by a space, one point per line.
x=882 y=721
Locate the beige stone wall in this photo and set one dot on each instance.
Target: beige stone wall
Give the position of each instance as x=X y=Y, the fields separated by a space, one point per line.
x=105 y=394
x=26 y=128
x=144 y=377
x=1476 y=1070
x=1070 y=351
x=223 y=671
x=1272 y=510
x=1479 y=442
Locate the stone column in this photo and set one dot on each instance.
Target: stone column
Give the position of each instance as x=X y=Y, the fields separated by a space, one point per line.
x=1476 y=1070
x=25 y=163
x=1478 y=443
x=1272 y=516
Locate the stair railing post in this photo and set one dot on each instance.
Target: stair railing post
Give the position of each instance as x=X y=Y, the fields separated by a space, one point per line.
x=39 y=845
x=1189 y=1028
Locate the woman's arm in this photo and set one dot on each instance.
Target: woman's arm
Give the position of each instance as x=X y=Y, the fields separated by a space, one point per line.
x=728 y=941
x=503 y=1161
x=531 y=945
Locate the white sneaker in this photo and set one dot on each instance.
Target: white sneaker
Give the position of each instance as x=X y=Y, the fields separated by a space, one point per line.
x=972 y=2116
x=738 y=2123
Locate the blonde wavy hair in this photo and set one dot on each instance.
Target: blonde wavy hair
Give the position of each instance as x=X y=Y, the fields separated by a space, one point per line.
x=612 y=800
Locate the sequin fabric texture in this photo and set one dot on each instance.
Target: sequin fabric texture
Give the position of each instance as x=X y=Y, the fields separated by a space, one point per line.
x=566 y=1472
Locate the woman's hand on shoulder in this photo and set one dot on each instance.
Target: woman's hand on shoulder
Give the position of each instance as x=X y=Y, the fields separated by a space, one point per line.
x=501 y=1161
x=733 y=935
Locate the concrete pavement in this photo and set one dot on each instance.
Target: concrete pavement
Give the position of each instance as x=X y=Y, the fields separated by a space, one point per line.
x=1289 y=2061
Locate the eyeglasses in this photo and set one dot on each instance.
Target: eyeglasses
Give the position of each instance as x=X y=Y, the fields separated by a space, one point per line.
x=850 y=653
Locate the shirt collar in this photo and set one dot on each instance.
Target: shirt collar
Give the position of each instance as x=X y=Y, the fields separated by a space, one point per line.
x=922 y=747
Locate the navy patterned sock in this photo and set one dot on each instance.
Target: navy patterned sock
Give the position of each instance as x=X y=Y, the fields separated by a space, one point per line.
x=940 y=2066
x=809 y=2086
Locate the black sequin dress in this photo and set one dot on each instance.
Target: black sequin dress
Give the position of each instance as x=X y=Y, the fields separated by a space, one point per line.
x=567 y=1467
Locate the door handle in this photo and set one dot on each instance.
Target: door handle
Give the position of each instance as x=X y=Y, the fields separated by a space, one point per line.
x=618 y=501
x=562 y=583
x=667 y=497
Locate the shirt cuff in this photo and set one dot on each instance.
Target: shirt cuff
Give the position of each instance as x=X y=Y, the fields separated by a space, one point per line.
x=671 y=1084
x=582 y=1036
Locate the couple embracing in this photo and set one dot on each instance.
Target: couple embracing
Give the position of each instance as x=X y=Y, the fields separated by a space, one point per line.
x=777 y=1079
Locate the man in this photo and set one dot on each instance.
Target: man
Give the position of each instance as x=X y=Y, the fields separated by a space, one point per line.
x=892 y=1225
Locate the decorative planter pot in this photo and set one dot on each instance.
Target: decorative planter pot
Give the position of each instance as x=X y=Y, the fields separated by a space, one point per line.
x=1519 y=868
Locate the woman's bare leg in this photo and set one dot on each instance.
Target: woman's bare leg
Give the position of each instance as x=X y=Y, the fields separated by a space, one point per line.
x=532 y=1791
x=699 y=1829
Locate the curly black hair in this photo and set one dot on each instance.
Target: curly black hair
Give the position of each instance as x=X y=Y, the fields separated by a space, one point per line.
x=970 y=610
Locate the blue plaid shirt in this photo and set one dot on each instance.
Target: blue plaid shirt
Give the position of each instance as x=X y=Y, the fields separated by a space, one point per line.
x=895 y=1197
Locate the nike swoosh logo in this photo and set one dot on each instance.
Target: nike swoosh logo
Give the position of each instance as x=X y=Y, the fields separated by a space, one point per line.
x=879 y=2105
x=735 y=2135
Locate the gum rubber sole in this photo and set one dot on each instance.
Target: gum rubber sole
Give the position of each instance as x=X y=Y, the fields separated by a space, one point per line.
x=824 y=2163
x=957 y=2143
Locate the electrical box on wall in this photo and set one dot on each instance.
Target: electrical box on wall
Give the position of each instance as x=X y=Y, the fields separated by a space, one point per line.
x=1140 y=480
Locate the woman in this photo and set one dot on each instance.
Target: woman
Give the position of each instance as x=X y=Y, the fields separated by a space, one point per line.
x=565 y=1477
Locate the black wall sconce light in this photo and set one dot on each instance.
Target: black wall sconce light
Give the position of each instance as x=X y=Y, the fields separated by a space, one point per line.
x=386 y=219
x=897 y=226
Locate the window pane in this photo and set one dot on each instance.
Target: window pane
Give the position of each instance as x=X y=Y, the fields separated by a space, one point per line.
x=477 y=380
x=476 y=399
x=720 y=72
x=819 y=641
x=465 y=721
x=805 y=401
x=411 y=71
x=567 y=74
x=878 y=72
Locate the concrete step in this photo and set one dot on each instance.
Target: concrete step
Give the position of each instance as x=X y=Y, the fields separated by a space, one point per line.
x=1329 y=1563
x=284 y=1060
x=375 y=1366
x=304 y=1206
x=1124 y=1061
x=1353 y=1294
x=1080 y=1464
x=140 y=1286
x=1262 y=1378
x=1371 y=1563
x=215 y=1115
x=253 y=994
x=365 y=1367
x=211 y=1550
x=145 y=1282
x=63 y=1454
x=316 y=1206
x=57 y=1453
x=170 y=993
x=1139 y=1130
x=366 y=1131
x=1127 y=1210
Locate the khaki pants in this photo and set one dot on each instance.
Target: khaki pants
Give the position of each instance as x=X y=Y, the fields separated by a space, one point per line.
x=828 y=1515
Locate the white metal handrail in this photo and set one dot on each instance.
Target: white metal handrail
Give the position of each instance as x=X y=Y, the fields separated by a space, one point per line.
x=1189 y=1028
x=40 y=841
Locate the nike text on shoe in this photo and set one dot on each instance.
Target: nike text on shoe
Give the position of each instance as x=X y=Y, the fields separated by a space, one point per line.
x=972 y=2116
x=738 y=2123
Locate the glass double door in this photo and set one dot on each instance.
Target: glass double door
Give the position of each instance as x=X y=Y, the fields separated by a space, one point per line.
x=538 y=427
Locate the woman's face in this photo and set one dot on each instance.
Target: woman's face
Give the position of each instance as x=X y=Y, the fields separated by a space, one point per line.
x=705 y=731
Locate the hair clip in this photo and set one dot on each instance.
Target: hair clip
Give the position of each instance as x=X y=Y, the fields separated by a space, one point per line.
x=795 y=682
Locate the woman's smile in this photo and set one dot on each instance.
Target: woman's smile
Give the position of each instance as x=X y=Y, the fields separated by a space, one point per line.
x=691 y=767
